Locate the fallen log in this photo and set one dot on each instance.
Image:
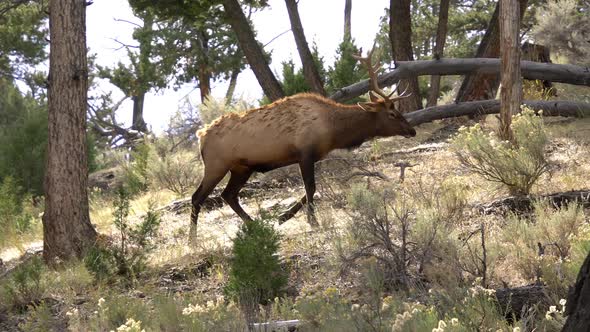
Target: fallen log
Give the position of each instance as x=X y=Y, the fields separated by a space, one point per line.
x=524 y=204
x=281 y=325
x=530 y=70
x=563 y=108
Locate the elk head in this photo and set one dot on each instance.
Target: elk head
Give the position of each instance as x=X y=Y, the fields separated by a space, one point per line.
x=390 y=121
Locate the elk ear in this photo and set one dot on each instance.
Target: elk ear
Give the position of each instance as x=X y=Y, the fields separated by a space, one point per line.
x=369 y=106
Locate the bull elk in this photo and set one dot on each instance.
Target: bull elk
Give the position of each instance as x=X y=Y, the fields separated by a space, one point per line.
x=300 y=129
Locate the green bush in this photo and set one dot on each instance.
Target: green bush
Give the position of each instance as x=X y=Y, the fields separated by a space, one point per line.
x=24 y=286
x=347 y=70
x=23 y=144
x=14 y=219
x=255 y=274
x=40 y=318
x=135 y=175
x=127 y=257
x=517 y=165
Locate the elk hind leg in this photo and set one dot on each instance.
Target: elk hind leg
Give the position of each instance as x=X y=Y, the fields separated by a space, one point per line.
x=307 y=173
x=237 y=180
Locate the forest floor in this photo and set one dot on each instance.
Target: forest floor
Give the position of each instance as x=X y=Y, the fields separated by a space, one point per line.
x=197 y=270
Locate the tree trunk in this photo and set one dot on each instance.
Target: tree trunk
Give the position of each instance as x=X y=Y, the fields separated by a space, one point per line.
x=347 y=20
x=67 y=231
x=441 y=36
x=310 y=71
x=204 y=72
x=570 y=74
x=145 y=53
x=400 y=36
x=231 y=88
x=539 y=53
x=577 y=307
x=252 y=50
x=204 y=82
x=511 y=93
x=137 y=120
x=480 y=86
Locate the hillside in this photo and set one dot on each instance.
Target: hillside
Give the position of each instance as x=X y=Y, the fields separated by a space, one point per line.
x=345 y=275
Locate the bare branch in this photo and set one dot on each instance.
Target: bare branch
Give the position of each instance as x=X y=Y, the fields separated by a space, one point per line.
x=276 y=37
x=127 y=21
x=550 y=108
x=531 y=70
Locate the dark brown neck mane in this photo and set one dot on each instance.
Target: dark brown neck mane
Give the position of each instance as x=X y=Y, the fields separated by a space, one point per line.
x=352 y=127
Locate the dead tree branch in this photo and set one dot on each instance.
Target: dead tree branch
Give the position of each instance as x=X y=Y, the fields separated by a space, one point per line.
x=570 y=74
x=550 y=108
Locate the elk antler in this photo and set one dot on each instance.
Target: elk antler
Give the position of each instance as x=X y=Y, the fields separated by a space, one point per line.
x=403 y=94
x=373 y=83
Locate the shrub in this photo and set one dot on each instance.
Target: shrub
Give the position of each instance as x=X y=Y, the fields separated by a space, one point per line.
x=564 y=24
x=215 y=315
x=10 y=209
x=40 y=319
x=115 y=312
x=410 y=240
x=549 y=247
x=24 y=287
x=517 y=165
x=213 y=108
x=23 y=145
x=176 y=172
x=127 y=256
x=255 y=274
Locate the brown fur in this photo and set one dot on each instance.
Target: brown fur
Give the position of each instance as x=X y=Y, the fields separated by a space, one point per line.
x=298 y=129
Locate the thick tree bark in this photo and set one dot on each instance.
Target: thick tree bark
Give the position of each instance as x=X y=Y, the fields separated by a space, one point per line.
x=204 y=83
x=570 y=74
x=538 y=53
x=347 y=20
x=252 y=50
x=138 y=122
x=67 y=231
x=400 y=36
x=310 y=71
x=577 y=308
x=204 y=72
x=145 y=52
x=480 y=86
x=231 y=88
x=511 y=93
x=441 y=36
x=483 y=107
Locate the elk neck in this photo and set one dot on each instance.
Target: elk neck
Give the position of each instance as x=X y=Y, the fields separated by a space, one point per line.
x=353 y=126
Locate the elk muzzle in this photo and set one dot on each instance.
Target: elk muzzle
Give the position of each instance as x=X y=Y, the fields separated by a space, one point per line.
x=411 y=133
